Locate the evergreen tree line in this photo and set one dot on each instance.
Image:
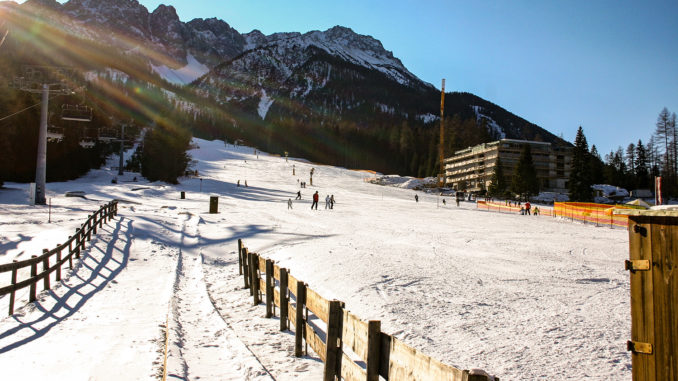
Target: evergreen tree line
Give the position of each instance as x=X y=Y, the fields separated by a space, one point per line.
x=636 y=166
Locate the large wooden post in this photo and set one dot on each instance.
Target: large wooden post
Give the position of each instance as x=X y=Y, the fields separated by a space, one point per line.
x=45 y=269
x=254 y=277
x=12 y=294
x=284 y=300
x=333 y=351
x=653 y=267
x=34 y=271
x=58 y=269
x=269 y=288
x=300 y=326
x=246 y=268
x=239 y=256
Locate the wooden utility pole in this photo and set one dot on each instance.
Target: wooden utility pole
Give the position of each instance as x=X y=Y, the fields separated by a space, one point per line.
x=441 y=150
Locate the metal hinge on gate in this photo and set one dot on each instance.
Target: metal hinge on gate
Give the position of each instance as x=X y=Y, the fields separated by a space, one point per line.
x=637 y=265
x=639 y=348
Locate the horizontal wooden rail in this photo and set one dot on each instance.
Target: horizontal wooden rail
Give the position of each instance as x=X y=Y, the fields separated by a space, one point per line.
x=73 y=245
x=345 y=338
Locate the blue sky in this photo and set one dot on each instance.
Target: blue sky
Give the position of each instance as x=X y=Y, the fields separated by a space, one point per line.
x=609 y=66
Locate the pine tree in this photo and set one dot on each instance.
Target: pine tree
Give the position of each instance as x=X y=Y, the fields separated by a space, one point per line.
x=663 y=133
x=525 y=181
x=497 y=183
x=596 y=166
x=580 y=179
x=641 y=169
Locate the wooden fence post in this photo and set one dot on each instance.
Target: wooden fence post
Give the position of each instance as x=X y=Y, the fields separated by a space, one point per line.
x=332 y=355
x=246 y=268
x=239 y=256
x=34 y=271
x=269 y=288
x=254 y=277
x=58 y=269
x=70 y=252
x=45 y=268
x=300 y=326
x=11 y=295
x=95 y=222
x=284 y=300
x=77 y=244
x=89 y=227
x=373 y=349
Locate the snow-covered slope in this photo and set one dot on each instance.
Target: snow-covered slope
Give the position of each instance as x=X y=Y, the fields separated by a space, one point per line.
x=522 y=297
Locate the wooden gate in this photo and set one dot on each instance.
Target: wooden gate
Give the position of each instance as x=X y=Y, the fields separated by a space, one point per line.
x=653 y=262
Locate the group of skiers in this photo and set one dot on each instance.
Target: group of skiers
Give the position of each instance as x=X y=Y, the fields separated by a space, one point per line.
x=329 y=201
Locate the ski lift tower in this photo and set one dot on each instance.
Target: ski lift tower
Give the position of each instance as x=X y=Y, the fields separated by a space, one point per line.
x=45 y=80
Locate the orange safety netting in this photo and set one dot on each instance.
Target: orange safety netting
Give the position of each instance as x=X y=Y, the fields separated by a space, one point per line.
x=599 y=214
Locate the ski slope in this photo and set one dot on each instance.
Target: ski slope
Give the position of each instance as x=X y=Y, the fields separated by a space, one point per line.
x=521 y=297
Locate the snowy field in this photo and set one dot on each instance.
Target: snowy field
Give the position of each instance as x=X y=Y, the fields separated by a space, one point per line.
x=521 y=297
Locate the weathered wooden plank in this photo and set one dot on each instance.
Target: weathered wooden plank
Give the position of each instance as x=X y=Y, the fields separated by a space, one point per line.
x=317 y=304
x=354 y=334
x=665 y=296
x=292 y=316
x=276 y=272
x=350 y=371
x=262 y=264
x=315 y=342
x=642 y=305
x=262 y=286
x=406 y=363
x=292 y=284
x=276 y=297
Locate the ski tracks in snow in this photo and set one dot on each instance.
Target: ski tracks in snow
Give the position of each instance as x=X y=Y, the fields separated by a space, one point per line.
x=202 y=345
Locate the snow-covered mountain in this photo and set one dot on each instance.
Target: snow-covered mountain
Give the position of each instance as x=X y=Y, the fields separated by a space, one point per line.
x=245 y=84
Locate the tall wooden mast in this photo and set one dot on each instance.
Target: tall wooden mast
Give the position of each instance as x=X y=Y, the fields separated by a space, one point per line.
x=441 y=150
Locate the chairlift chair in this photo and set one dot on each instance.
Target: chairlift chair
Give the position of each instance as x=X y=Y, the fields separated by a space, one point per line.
x=89 y=137
x=108 y=135
x=55 y=134
x=77 y=113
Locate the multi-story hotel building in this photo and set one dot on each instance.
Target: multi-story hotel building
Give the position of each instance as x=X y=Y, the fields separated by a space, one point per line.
x=475 y=165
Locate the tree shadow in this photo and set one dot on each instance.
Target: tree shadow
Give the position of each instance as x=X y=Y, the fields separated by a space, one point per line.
x=83 y=288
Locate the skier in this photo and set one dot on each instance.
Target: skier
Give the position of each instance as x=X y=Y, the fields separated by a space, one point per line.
x=298 y=195
x=332 y=202
x=315 y=200
x=327 y=201
x=444 y=203
x=289 y=203
x=416 y=197
x=527 y=208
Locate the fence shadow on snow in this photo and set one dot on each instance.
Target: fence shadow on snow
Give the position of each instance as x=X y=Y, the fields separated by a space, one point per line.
x=350 y=348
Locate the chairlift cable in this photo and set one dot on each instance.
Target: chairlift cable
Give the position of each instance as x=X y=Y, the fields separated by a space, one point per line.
x=30 y=107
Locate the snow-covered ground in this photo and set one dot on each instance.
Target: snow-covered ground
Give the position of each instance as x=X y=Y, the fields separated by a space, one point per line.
x=522 y=297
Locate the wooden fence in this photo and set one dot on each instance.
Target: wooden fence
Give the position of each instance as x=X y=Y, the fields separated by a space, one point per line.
x=74 y=245
x=350 y=348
